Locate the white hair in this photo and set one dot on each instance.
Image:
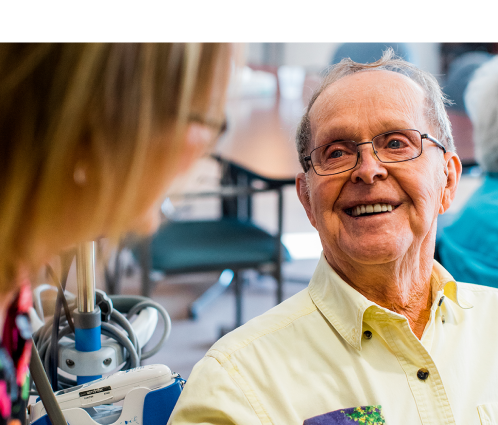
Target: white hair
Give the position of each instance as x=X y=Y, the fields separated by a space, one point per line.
x=481 y=102
x=435 y=99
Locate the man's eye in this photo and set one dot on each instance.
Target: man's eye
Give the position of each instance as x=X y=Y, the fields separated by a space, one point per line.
x=395 y=144
x=336 y=154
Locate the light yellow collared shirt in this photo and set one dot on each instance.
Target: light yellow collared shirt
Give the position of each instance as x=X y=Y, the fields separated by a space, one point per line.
x=312 y=355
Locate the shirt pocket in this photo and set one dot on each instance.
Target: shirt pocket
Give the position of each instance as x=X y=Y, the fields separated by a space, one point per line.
x=488 y=413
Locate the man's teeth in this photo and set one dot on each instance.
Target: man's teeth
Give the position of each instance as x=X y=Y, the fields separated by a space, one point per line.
x=375 y=208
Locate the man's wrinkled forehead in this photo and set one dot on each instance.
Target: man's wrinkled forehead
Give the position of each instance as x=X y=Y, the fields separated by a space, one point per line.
x=346 y=91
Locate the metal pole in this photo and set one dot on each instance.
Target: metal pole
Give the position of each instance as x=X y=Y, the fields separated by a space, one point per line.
x=87 y=318
x=85 y=271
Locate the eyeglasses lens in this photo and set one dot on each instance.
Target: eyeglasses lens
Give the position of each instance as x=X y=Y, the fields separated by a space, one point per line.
x=399 y=145
x=335 y=157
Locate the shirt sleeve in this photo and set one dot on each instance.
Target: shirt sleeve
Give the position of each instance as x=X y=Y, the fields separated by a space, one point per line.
x=211 y=396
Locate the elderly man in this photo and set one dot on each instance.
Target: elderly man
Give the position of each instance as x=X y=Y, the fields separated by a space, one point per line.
x=383 y=334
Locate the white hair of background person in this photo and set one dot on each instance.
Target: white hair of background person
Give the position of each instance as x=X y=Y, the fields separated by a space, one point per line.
x=481 y=103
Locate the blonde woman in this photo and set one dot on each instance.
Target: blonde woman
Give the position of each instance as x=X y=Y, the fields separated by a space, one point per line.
x=90 y=137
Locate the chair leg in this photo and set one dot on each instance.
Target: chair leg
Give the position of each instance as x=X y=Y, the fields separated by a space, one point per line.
x=280 y=251
x=238 y=298
x=113 y=279
x=145 y=266
x=211 y=294
x=237 y=286
x=280 y=283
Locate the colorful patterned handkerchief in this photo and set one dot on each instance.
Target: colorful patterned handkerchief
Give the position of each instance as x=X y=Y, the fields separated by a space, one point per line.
x=364 y=415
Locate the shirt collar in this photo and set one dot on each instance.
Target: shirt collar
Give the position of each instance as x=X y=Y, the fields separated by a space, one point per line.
x=344 y=307
x=445 y=282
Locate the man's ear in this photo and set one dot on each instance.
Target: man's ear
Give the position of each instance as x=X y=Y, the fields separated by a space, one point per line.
x=303 y=194
x=453 y=171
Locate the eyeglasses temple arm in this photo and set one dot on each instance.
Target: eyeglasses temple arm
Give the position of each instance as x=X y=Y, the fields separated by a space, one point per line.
x=432 y=139
x=307 y=159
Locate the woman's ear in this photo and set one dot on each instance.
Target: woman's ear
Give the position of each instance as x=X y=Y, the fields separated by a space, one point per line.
x=197 y=140
x=453 y=171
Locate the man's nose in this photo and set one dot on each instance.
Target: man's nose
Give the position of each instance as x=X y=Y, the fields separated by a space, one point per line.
x=369 y=168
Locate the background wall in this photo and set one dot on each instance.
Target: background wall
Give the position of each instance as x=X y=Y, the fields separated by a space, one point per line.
x=316 y=56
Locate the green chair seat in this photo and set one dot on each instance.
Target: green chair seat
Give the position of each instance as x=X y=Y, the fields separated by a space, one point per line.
x=179 y=247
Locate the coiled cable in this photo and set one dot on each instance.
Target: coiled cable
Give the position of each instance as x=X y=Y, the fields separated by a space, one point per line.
x=117 y=328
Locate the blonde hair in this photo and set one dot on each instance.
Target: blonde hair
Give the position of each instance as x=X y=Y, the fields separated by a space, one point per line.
x=106 y=108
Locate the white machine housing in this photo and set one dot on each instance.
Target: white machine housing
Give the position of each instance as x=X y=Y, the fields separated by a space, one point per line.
x=110 y=389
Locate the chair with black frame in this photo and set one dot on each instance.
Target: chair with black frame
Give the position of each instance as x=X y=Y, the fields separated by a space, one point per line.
x=230 y=244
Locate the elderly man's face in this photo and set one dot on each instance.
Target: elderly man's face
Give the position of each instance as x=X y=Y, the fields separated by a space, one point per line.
x=359 y=107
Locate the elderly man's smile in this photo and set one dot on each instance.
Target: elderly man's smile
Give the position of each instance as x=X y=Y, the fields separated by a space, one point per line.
x=367 y=210
x=364 y=202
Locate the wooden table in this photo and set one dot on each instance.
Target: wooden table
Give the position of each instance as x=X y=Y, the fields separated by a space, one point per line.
x=261 y=134
x=260 y=137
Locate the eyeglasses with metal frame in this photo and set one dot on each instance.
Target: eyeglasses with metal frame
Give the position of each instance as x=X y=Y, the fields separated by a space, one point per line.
x=218 y=127
x=393 y=146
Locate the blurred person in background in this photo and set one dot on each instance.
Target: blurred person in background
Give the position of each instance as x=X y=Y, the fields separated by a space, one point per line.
x=91 y=135
x=468 y=248
x=371 y=51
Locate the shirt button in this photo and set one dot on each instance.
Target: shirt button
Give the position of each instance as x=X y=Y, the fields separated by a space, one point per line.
x=367 y=334
x=422 y=374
